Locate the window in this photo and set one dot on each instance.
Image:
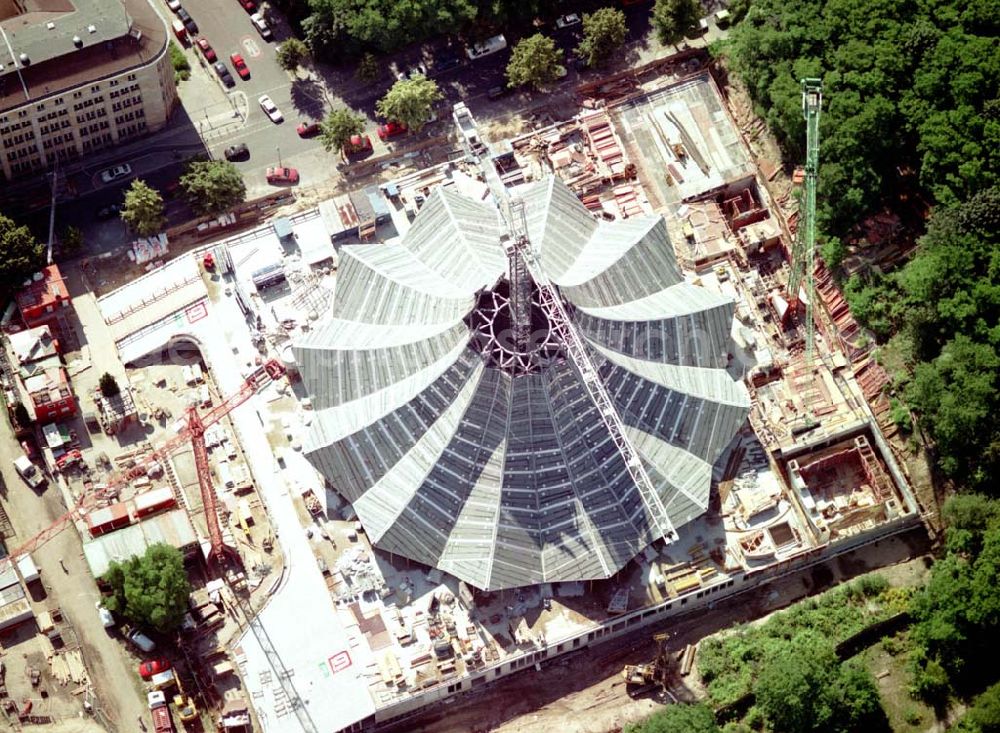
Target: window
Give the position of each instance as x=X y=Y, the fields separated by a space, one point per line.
x=60 y=102
x=40 y=107
x=96 y=88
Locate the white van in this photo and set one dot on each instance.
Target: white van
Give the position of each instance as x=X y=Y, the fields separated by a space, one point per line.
x=485 y=48
x=107 y=619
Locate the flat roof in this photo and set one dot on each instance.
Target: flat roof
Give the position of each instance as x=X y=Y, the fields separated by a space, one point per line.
x=114 y=35
x=174 y=528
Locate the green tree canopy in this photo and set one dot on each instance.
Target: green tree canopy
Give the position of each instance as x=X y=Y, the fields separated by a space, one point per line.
x=143 y=209
x=535 y=61
x=212 y=186
x=679 y=718
x=20 y=255
x=109 y=385
x=410 y=101
x=71 y=239
x=151 y=589
x=984 y=714
x=603 y=33
x=338 y=128
x=671 y=18
x=291 y=54
x=369 y=69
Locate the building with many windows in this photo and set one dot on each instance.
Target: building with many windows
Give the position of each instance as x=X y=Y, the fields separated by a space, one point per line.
x=77 y=76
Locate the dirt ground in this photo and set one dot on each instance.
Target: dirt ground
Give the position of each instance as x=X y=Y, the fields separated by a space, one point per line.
x=584 y=693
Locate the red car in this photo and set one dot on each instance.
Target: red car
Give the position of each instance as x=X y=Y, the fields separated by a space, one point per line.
x=206 y=49
x=248 y=5
x=390 y=129
x=307 y=129
x=240 y=65
x=153 y=666
x=278 y=176
x=358 y=144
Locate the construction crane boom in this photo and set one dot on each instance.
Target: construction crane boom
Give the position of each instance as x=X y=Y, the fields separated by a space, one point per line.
x=804 y=254
x=192 y=432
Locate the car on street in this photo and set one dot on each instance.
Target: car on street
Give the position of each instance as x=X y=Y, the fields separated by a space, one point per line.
x=248 y=5
x=107 y=618
x=565 y=21
x=153 y=666
x=390 y=129
x=497 y=91
x=446 y=61
x=485 y=48
x=240 y=65
x=223 y=72
x=206 y=49
x=188 y=21
x=29 y=472
x=282 y=176
x=140 y=640
x=307 y=129
x=261 y=25
x=417 y=68
x=109 y=212
x=270 y=108
x=358 y=144
x=240 y=151
x=174 y=5
x=117 y=173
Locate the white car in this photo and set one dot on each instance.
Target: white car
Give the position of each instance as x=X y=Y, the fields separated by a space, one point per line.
x=565 y=21
x=174 y=5
x=270 y=109
x=261 y=25
x=113 y=174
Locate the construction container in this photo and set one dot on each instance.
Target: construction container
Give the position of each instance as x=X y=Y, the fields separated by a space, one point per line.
x=154 y=501
x=108 y=519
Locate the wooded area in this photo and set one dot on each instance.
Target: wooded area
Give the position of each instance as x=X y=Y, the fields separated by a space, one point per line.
x=911 y=117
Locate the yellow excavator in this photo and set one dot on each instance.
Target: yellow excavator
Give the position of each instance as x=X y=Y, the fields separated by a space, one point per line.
x=643 y=678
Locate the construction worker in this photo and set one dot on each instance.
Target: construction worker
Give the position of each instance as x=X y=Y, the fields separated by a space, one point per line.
x=63 y=566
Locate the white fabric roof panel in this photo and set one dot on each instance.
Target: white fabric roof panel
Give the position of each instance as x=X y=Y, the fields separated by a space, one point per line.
x=506 y=477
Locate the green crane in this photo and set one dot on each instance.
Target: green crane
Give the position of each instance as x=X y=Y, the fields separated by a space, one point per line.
x=804 y=251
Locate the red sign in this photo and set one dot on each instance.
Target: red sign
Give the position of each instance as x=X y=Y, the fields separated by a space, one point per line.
x=339 y=662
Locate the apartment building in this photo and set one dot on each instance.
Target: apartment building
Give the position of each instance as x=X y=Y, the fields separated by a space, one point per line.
x=77 y=76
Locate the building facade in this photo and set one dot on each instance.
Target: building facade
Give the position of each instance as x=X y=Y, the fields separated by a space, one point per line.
x=74 y=81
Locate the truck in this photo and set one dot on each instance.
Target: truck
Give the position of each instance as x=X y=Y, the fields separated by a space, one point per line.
x=162 y=722
x=29 y=472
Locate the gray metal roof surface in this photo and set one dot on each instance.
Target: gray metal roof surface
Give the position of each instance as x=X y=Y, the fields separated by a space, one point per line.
x=507 y=479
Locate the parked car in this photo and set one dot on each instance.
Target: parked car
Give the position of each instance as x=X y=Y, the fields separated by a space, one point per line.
x=417 y=69
x=188 y=21
x=141 y=641
x=109 y=212
x=223 y=72
x=261 y=25
x=240 y=65
x=174 y=5
x=390 y=129
x=107 y=618
x=280 y=176
x=307 y=129
x=206 y=49
x=565 y=21
x=358 y=144
x=109 y=175
x=153 y=666
x=180 y=31
x=485 y=48
x=270 y=108
x=446 y=61
x=497 y=91
x=248 y=5
x=237 y=152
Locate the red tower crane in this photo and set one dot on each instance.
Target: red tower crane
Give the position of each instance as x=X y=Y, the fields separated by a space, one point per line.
x=194 y=432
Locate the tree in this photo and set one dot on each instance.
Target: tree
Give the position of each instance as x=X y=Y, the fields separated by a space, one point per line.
x=292 y=53
x=672 y=18
x=20 y=255
x=143 y=209
x=212 y=186
x=151 y=589
x=369 y=69
x=410 y=101
x=984 y=714
x=338 y=128
x=603 y=33
x=678 y=718
x=535 y=60
x=109 y=385
x=71 y=239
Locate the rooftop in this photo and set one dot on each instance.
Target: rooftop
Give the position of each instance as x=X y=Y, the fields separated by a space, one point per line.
x=46 y=287
x=59 y=44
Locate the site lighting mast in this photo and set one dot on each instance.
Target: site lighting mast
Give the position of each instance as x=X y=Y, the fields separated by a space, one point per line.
x=802 y=278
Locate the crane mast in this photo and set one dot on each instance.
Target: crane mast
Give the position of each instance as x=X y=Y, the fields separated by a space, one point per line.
x=804 y=251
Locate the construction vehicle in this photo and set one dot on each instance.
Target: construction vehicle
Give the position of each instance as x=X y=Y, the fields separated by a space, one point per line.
x=187 y=711
x=162 y=722
x=801 y=290
x=194 y=434
x=643 y=678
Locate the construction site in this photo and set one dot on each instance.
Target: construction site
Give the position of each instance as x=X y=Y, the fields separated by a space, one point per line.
x=560 y=388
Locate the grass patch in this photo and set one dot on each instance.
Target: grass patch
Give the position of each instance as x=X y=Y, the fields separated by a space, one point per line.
x=728 y=664
x=182 y=69
x=888 y=661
